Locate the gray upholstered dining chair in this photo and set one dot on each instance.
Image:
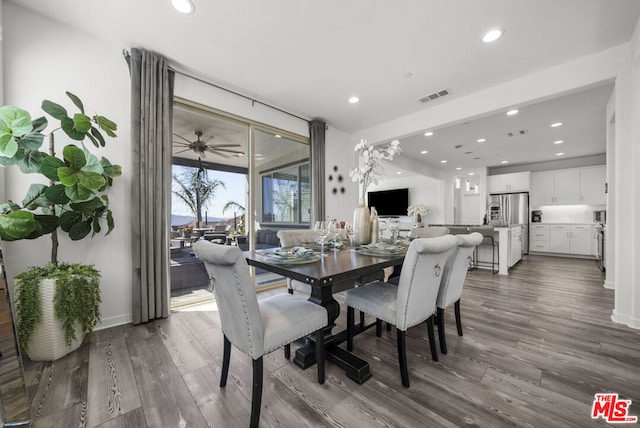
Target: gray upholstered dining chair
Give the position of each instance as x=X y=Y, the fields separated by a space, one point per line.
x=428 y=232
x=291 y=238
x=453 y=276
x=257 y=328
x=412 y=301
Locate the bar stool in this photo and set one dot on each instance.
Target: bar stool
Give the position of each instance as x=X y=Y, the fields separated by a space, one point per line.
x=487 y=239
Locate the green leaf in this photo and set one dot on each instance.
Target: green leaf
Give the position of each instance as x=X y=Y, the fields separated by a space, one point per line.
x=110 y=223
x=76 y=101
x=55 y=110
x=106 y=125
x=49 y=167
x=68 y=126
x=18 y=121
x=91 y=180
x=68 y=219
x=78 y=193
x=82 y=123
x=67 y=176
x=16 y=225
x=39 y=124
x=96 y=225
x=31 y=161
x=8 y=145
x=74 y=157
x=56 y=194
x=80 y=230
x=93 y=164
x=93 y=140
x=9 y=161
x=31 y=141
x=35 y=197
x=89 y=208
x=48 y=223
x=98 y=136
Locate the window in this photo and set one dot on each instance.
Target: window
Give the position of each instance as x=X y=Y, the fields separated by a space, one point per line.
x=286 y=195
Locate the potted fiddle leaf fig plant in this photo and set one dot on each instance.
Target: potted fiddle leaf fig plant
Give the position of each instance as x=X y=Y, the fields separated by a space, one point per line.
x=58 y=304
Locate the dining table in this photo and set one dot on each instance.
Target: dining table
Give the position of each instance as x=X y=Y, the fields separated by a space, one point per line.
x=326 y=275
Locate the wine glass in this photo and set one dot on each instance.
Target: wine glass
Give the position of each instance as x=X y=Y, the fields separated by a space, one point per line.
x=322 y=230
x=394 y=227
x=349 y=230
x=382 y=225
x=334 y=231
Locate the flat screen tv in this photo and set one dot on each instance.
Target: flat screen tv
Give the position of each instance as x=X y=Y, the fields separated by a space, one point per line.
x=389 y=202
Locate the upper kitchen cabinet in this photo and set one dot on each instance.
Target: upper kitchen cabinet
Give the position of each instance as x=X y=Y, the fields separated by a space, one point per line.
x=568 y=187
x=508 y=183
x=592 y=185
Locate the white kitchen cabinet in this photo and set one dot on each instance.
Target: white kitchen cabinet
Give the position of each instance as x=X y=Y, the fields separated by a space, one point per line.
x=567 y=186
x=507 y=183
x=559 y=238
x=515 y=247
x=592 y=185
x=581 y=239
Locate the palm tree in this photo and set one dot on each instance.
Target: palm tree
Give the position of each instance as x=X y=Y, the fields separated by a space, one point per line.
x=197 y=190
x=232 y=204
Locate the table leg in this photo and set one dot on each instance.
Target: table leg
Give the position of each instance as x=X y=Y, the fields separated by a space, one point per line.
x=356 y=368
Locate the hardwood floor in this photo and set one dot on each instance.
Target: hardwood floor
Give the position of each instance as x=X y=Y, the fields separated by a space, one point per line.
x=537 y=346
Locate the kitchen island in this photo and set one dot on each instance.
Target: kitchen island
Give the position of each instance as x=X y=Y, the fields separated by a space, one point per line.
x=501 y=248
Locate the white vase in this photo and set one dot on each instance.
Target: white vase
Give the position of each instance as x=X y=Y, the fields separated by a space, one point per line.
x=47 y=342
x=362 y=224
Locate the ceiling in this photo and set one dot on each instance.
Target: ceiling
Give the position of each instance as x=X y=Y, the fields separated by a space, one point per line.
x=310 y=58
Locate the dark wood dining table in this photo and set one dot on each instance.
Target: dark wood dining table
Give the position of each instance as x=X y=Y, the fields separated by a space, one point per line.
x=325 y=276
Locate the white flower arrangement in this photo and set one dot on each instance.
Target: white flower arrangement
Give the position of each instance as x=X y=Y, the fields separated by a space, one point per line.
x=418 y=209
x=370 y=169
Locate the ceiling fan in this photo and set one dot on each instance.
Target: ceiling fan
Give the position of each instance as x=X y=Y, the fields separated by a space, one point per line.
x=201 y=147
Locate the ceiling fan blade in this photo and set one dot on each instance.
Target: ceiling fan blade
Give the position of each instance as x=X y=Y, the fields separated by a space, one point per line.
x=237 y=152
x=180 y=136
x=225 y=145
x=182 y=151
x=180 y=143
x=207 y=138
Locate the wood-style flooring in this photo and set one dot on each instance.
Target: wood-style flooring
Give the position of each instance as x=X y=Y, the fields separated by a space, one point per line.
x=537 y=346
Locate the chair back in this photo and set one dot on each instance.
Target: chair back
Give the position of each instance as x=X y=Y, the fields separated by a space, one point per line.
x=420 y=279
x=456 y=268
x=293 y=237
x=429 y=232
x=235 y=296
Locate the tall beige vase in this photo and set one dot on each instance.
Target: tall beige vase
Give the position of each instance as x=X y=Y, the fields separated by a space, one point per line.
x=362 y=224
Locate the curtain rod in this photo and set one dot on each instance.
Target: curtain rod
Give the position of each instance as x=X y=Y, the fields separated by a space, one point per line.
x=206 y=82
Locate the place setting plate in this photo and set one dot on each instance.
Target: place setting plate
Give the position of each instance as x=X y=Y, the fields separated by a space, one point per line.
x=291 y=256
x=382 y=250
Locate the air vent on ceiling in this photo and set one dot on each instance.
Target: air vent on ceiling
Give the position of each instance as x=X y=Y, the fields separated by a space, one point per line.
x=436 y=95
x=515 y=133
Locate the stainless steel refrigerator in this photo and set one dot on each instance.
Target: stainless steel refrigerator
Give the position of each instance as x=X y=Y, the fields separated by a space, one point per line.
x=510 y=209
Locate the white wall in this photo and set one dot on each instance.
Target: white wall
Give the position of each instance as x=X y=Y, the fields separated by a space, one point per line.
x=626 y=199
x=339 y=154
x=422 y=190
x=43 y=59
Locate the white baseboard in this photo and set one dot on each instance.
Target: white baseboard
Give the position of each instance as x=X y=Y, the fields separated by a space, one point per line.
x=114 y=321
x=619 y=318
x=610 y=285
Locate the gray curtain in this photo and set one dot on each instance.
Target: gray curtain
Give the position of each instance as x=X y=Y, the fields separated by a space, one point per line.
x=316 y=133
x=151 y=137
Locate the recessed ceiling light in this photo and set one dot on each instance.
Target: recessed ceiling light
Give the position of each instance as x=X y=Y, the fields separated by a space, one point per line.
x=458 y=168
x=560 y=154
x=513 y=112
x=555 y=125
x=481 y=140
x=354 y=100
x=399 y=172
x=472 y=173
x=505 y=161
x=428 y=133
x=492 y=35
x=558 y=142
x=443 y=161
x=424 y=152
x=183 y=6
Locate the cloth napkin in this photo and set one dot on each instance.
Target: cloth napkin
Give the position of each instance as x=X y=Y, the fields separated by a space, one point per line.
x=331 y=243
x=293 y=253
x=386 y=248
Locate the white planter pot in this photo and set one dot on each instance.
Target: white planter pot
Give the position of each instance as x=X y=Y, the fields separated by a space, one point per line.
x=47 y=341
